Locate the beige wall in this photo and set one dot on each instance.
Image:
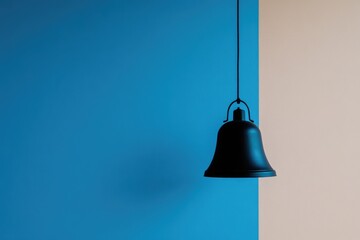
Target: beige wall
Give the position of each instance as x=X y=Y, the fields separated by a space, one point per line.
x=310 y=119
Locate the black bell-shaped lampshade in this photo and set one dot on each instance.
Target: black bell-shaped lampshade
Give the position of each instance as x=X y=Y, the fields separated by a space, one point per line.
x=239 y=151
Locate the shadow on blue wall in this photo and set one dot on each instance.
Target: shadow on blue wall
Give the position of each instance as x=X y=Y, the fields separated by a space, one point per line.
x=155 y=173
x=109 y=115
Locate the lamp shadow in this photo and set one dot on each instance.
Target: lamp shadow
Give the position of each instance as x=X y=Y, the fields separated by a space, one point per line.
x=155 y=174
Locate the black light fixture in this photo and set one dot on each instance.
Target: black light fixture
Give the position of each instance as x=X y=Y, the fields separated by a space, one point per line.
x=239 y=150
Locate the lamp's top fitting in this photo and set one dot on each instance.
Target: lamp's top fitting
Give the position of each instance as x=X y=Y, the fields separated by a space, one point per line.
x=239 y=115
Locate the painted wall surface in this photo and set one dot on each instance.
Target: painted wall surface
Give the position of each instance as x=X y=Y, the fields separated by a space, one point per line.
x=109 y=116
x=309 y=97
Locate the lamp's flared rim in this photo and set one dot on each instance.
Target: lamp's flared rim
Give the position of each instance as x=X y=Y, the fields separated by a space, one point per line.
x=248 y=174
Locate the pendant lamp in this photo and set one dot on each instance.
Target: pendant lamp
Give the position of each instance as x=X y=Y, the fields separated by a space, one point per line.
x=239 y=150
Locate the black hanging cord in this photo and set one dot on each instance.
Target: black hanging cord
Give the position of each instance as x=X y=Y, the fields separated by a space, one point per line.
x=238 y=100
x=238 y=53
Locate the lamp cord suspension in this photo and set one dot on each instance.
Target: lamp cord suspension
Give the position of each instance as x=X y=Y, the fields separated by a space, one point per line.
x=238 y=100
x=238 y=53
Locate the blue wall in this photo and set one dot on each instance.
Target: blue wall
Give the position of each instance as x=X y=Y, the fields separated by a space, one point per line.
x=109 y=115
